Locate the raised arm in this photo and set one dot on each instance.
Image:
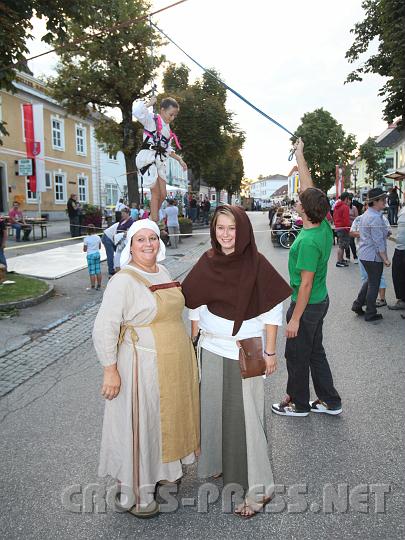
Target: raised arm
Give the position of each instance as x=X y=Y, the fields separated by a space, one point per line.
x=303 y=171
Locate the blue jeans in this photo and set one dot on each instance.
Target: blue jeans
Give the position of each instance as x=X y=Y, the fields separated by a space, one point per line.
x=3 y=257
x=364 y=276
x=109 y=249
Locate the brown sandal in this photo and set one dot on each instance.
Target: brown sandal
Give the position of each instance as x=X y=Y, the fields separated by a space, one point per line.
x=254 y=512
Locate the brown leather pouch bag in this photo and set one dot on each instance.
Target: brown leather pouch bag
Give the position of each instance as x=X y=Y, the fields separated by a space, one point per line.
x=251 y=359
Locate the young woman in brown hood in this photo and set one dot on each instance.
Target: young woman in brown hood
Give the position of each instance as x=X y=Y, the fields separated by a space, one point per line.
x=234 y=293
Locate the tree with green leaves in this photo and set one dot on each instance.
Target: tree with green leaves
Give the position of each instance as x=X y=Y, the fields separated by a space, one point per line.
x=375 y=161
x=326 y=145
x=15 y=31
x=204 y=124
x=384 y=20
x=108 y=73
x=226 y=171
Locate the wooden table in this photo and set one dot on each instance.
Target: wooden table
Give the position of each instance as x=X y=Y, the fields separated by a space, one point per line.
x=38 y=222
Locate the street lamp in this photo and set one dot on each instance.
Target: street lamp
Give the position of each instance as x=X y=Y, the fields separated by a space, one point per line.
x=355 y=170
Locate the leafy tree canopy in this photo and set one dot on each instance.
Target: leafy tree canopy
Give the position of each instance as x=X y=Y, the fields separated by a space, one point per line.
x=384 y=20
x=375 y=161
x=204 y=124
x=109 y=72
x=326 y=145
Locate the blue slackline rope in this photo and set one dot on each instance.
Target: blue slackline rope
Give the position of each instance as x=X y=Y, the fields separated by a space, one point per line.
x=229 y=88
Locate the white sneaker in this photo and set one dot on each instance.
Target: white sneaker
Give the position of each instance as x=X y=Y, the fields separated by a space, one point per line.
x=356 y=261
x=319 y=406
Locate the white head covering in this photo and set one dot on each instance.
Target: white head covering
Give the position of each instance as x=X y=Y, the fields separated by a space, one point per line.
x=134 y=228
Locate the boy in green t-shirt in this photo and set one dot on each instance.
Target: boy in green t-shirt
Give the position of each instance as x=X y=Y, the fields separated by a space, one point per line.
x=307 y=266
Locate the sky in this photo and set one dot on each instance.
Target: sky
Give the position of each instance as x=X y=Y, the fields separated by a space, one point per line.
x=288 y=58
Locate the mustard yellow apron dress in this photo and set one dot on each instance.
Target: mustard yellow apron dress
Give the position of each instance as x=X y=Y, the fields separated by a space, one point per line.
x=177 y=374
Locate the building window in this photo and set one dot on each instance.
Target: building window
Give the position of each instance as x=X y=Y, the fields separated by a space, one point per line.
x=112 y=157
x=82 y=183
x=81 y=140
x=60 y=188
x=389 y=163
x=58 y=137
x=48 y=180
x=111 y=194
x=31 y=196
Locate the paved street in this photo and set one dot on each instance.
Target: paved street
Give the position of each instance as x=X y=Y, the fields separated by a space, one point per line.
x=51 y=427
x=71 y=296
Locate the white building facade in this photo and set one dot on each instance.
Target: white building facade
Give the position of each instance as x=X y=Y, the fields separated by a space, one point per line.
x=264 y=188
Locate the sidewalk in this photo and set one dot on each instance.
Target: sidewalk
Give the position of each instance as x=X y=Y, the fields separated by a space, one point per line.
x=71 y=296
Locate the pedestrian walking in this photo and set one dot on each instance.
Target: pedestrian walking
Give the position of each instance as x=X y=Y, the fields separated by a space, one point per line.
x=92 y=246
x=172 y=214
x=206 y=207
x=120 y=236
x=393 y=205
x=307 y=267
x=73 y=210
x=372 y=254
x=398 y=263
x=134 y=212
x=3 y=241
x=341 y=219
x=353 y=214
x=234 y=293
x=355 y=235
x=108 y=241
x=119 y=207
x=150 y=383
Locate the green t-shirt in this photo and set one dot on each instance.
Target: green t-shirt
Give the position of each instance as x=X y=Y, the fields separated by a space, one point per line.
x=310 y=251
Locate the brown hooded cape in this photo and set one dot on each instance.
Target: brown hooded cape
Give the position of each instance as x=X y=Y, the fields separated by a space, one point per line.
x=238 y=286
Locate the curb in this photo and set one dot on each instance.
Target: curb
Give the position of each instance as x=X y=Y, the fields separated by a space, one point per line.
x=28 y=302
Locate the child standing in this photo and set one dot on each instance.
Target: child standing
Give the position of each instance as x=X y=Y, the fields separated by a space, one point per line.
x=92 y=246
x=156 y=148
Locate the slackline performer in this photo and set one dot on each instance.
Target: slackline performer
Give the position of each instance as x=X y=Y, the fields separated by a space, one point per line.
x=156 y=148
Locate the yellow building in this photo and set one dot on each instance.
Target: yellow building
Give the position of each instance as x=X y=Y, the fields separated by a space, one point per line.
x=68 y=157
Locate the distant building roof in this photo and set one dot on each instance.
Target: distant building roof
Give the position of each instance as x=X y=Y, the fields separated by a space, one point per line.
x=275 y=177
x=283 y=190
x=293 y=170
x=390 y=138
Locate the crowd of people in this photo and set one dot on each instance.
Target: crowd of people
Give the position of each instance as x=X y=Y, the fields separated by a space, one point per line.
x=363 y=230
x=157 y=415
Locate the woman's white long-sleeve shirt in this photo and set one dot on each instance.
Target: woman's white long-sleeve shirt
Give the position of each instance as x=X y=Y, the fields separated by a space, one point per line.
x=216 y=332
x=147 y=119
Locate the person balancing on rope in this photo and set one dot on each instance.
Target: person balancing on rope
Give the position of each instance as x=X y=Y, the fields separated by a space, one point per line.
x=156 y=148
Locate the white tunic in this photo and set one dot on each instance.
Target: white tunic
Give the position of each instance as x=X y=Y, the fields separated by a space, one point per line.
x=128 y=301
x=145 y=157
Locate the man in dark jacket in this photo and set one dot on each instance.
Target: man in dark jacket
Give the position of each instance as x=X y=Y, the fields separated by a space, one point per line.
x=341 y=218
x=73 y=210
x=393 y=205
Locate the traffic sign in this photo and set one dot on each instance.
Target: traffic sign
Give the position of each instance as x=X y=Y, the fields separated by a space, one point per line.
x=25 y=167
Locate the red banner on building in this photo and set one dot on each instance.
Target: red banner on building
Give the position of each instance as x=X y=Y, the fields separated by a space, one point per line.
x=32 y=147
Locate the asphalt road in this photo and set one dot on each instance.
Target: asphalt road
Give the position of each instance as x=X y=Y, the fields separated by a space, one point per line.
x=51 y=424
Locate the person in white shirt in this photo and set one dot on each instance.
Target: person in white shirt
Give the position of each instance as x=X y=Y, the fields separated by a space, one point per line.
x=156 y=148
x=92 y=246
x=234 y=293
x=119 y=207
x=172 y=214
